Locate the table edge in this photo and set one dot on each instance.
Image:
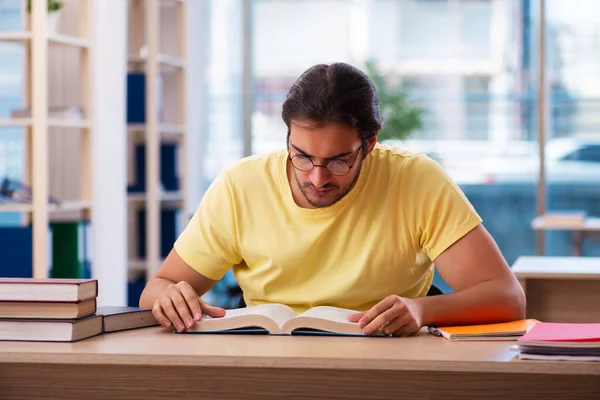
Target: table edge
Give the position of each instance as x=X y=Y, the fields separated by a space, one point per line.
x=502 y=366
x=556 y=275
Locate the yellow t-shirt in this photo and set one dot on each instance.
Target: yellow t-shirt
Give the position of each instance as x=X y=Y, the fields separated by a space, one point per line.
x=380 y=239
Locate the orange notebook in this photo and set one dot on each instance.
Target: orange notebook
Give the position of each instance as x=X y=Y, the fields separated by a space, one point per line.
x=502 y=331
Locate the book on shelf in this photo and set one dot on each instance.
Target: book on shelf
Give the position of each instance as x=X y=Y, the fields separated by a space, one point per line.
x=51 y=289
x=279 y=319
x=117 y=318
x=561 y=341
x=47 y=310
x=510 y=330
x=50 y=330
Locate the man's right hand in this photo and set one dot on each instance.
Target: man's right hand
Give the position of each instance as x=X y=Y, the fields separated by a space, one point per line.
x=179 y=305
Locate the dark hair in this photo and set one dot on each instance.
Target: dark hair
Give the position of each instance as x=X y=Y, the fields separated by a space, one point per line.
x=338 y=93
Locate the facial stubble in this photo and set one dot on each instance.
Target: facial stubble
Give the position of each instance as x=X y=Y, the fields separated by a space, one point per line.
x=340 y=195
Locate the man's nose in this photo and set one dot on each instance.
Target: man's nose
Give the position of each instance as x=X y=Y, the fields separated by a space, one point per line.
x=320 y=176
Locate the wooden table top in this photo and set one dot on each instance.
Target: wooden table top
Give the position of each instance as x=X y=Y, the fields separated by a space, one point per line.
x=590 y=224
x=557 y=267
x=159 y=346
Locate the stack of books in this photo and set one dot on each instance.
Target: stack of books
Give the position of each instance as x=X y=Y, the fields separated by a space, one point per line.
x=55 y=310
x=561 y=341
x=61 y=310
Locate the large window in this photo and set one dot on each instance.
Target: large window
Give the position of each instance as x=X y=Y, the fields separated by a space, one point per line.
x=458 y=56
x=572 y=165
x=474 y=68
x=442 y=29
x=223 y=118
x=467 y=63
x=289 y=37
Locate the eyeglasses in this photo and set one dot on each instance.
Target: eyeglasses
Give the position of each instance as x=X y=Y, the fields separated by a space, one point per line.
x=334 y=166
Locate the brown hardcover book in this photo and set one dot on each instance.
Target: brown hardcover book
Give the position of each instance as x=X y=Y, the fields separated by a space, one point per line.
x=52 y=289
x=118 y=318
x=47 y=310
x=47 y=330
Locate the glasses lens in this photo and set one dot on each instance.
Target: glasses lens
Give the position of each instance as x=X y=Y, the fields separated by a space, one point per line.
x=302 y=163
x=338 y=167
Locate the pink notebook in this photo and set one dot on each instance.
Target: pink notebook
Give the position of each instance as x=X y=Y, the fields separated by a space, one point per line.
x=562 y=333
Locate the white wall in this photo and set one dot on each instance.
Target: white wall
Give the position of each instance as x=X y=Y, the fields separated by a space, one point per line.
x=109 y=63
x=196 y=50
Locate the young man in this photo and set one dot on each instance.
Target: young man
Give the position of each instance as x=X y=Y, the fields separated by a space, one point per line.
x=338 y=219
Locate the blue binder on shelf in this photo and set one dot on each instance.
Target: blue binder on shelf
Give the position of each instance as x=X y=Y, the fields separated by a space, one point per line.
x=169 y=176
x=136 y=98
x=168 y=232
x=16 y=251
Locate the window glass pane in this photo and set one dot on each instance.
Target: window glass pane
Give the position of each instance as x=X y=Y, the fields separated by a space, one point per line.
x=573 y=182
x=479 y=103
x=223 y=139
x=476 y=24
x=11 y=97
x=428 y=29
x=10 y=16
x=279 y=59
x=223 y=118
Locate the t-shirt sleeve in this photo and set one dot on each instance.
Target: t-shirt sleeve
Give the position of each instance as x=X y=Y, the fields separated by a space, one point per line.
x=209 y=242
x=438 y=210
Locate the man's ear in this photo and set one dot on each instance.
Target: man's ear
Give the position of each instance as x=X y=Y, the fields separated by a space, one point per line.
x=371 y=142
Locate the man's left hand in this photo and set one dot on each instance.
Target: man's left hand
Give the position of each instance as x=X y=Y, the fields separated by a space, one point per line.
x=394 y=315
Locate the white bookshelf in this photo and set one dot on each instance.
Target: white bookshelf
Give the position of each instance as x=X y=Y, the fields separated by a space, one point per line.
x=157 y=43
x=38 y=41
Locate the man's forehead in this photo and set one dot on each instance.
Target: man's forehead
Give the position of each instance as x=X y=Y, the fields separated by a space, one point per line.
x=321 y=150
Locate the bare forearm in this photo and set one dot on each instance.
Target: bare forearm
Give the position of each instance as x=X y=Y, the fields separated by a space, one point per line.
x=487 y=302
x=154 y=288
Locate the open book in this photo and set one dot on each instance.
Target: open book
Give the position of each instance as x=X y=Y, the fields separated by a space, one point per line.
x=279 y=319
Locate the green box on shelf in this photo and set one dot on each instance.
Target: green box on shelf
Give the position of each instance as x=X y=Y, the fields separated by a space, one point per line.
x=71 y=249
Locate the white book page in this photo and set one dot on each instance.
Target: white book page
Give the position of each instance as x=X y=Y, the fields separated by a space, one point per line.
x=277 y=312
x=329 y=313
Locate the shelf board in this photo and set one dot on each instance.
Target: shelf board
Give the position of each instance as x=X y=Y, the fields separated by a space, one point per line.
x=165 y=60
x=171 y=61
x=14 y=36
x=139 y=265
x=52 y=123
x=165 y=196
x=63 y=207
x=71 y=206
x=55 y=38
x=15 y=122
x=15 y=207
x=165 y=129
x=68 y=40
x=172 y=196
x=171 y=129
x=65 y=123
